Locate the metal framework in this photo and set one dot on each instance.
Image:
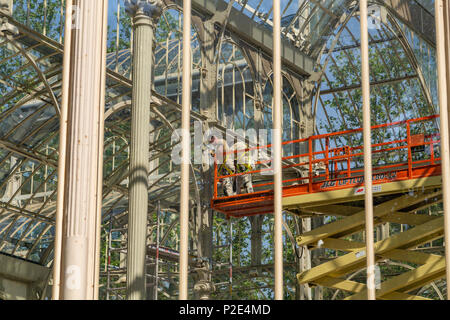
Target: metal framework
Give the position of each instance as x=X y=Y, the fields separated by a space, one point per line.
x=307 y=84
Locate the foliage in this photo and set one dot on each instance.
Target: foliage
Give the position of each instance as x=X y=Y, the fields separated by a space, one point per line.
x=41 y=15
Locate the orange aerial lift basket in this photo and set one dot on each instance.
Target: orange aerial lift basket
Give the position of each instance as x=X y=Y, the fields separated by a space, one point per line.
x=334 y=161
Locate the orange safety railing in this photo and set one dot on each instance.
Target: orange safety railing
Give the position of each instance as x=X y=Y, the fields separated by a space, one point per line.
x=416 y=138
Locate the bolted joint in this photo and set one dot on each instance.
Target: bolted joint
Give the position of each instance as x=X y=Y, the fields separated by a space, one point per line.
x=150 y=8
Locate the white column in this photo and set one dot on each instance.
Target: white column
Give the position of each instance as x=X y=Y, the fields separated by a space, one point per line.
x=84 y=159
x=365 y=80
x=144 y=14
x=442 y=16
x=186 y=151
x=277 y=151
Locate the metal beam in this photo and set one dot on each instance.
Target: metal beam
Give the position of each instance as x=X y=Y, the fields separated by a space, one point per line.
x=355 y=260
x=415 y=17
x=29 y=154
x=356 y=221
x=409 y=280
x=372 y=84
x=257 y=35
x=353 y=286
x=415 y=257
x=21 y=279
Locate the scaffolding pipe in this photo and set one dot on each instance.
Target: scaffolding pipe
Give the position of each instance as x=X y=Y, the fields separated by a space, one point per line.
x=442 y=16
x=230 y=245
x=365 y=81
x=158 y=226
x=62 y=153
x=108 y=258
x=277 y=151
x=185 y=151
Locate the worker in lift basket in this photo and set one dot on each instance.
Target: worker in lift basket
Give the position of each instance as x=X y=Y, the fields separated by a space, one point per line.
x=232 y=160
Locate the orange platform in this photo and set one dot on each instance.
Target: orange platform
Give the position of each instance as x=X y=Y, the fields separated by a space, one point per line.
x=400 y=163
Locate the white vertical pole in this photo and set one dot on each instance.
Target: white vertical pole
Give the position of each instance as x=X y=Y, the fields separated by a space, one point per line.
x=186 y=150
x=230 y=245
x=62 y=153
x=100 y=145
x=442 y=30
x=158 y=226
x=365 y=80
x=277 y=151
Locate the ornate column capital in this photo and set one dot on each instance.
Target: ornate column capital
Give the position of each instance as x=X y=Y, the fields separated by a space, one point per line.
x=6 y=6
x=203 y=287
x=149 y=8
x=7 y=29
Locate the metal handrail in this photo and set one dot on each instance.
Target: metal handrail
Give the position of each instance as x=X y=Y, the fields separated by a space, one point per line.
x=343 y=154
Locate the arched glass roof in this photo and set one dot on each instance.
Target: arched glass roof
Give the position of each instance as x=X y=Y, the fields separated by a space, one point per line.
x=403 y=82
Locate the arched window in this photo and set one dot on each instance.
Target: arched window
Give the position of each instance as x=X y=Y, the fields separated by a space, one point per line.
x=235 y=91
x=168 y=58
x=291 y=118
